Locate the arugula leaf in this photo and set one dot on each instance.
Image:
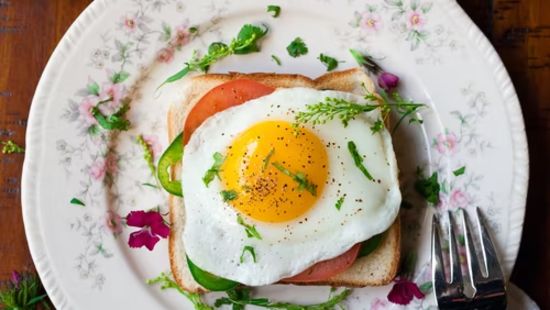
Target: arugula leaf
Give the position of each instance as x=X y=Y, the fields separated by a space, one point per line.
x=459 y=171
x=246 y=41
x=148 y=155
x=214 y=171
x=330 y=62
x=276 y=60
x=298 y=177
x=428 y=188
x=297 y=48
x=229 y=195
x=267 y=158
x=250 y=230
x=114 y=121
x=167 y=283
x=358 y=160
x=240 y=297
x=78 y=202
x=275 y=9
x=250 y=250
x=10 y=147
x=340 y=202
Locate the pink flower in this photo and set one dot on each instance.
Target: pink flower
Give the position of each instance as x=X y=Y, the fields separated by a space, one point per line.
x=114 y=92
x=372 y=22
x=415 y=20
x=378 y=304
x=388 y=81
x=446 y=143
x=113 y=222
x=152 y=229
x=403 y=292
x=154 y=144
x=182 y=36
x=165 y=55
x=459 y=199
x=129 y=23
x=85 y=111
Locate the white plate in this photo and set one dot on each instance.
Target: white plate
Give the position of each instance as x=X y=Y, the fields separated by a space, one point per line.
x=474 y=120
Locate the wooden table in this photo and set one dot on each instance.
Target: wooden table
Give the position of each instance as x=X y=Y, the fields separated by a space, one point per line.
x=519 y=29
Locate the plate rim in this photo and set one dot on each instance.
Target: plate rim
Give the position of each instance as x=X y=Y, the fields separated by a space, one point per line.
x=73 y=35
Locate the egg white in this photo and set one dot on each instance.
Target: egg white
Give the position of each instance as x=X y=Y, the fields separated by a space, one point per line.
x=214 y=240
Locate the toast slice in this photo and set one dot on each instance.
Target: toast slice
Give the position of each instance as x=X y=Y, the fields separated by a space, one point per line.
x=378 y=268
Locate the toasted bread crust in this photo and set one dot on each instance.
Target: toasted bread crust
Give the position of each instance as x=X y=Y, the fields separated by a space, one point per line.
x=352 y=80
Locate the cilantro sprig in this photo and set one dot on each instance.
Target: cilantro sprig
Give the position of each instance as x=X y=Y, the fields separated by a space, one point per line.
x=358 y=160
x=428 y=187
x=298 y=177
x=10 y=147
x=250 y=230
x=340 y=202
x=214 y=171
x=228 y=195
x=246 y=42
x=330 y=62
x=250 y=250
x=297 y=48
x=167 y=283
x=275 y=10
x=241 y=297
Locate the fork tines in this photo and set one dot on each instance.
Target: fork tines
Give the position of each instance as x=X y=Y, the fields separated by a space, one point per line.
x=485 y=281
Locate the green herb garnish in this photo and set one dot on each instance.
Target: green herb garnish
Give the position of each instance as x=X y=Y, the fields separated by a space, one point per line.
x=167 y=283
x=114 y=121
x=298 y=177
x=229 y=195
x=241 y=296
x=250 y=230
x=148 y=155
x=297 y=48
x=24 y=291
x=330 y=62
x=267 y=158
x=340 y=202
x=78 y=202
x=246 y=42
x=428 y=188
x=214 y=171
x=276 y=60
x=366 y=61
x=459 y=171
x=358 y=160
x=10 y=147
x=250 y=250
x=274 y=9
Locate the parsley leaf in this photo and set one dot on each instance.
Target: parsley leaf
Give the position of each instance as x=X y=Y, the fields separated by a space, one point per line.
x=275 y=9
x=459 y=171
x=250 y=250
x=428 y=188
x=114 y=121
x=330 y=62
x=340 y=202
x=298 y=177
x=78 y=202
x=167 y=283
x=148 y=155
x=240 y=297
x=276 y=60
x=245 y=42
x=229 y=195
x=358 y=160
x=297 y=48
x=267 y=158
x=214 y=171
x=9 y=147
x=250 y=230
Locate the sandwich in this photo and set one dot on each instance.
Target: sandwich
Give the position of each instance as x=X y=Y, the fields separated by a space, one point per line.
x=276 y=189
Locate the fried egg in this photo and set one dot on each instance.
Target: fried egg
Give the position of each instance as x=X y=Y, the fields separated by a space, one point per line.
x=283 y=213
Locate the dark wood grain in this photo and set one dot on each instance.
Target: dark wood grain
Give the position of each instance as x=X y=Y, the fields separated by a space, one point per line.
x=520 y=31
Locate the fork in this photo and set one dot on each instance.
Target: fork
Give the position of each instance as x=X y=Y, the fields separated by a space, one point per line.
x=485 y=279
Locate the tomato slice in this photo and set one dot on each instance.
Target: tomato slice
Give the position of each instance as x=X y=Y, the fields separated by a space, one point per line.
x=326 y=269
x=222 y=97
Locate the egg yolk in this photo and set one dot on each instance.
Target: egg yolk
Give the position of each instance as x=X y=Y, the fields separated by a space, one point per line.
x=277 y=172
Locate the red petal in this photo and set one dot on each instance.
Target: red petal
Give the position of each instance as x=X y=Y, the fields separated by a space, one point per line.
x=143 y=238
x=403 y=291
x=153 y=217
x=160 y=229
x=136 y=219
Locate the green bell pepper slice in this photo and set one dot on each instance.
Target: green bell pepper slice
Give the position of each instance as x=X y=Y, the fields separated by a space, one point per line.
x=170 y=157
